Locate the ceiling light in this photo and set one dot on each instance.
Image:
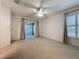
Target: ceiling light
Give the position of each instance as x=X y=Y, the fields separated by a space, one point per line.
x=40 y=14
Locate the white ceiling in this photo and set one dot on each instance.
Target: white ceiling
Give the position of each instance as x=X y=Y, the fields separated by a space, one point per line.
x=51 y=6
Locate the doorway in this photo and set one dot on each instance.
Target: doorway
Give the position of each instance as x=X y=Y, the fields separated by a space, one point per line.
x=30 y=30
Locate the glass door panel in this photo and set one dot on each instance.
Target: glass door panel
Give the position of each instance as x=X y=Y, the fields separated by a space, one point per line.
x=71 y=32
x=78 y=19
x=70 y=20
x=78 y=32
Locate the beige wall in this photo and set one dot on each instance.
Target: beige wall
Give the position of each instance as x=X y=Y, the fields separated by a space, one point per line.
x=5 y=22
x=16 y=27
x=53 y=27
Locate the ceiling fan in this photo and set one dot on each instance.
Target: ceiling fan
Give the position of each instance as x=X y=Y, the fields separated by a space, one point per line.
x=38 y=11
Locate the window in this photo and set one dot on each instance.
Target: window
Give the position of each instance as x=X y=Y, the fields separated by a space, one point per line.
x=78 y=32
x=78 y=19
x=72 y=21
x=29 y=30
x=78 y=26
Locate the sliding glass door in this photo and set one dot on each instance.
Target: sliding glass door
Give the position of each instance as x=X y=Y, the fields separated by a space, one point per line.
x=78 y=26
x=30 y=29
x=72 y=23
x=71 y=26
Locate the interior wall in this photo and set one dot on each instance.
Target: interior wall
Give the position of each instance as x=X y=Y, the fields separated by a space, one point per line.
x=16 y=27
x=5 y=25
x=53 y=27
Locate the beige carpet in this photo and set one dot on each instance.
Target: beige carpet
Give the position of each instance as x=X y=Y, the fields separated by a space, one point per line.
x=39 y=48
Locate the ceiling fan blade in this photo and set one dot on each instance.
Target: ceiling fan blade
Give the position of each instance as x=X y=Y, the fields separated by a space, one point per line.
x=41 y=3
x=31 y=15
x=28 y=4
x=51 y=8
x=17 y=1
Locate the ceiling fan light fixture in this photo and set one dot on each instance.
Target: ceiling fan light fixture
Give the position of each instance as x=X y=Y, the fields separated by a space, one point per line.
x=40 y=14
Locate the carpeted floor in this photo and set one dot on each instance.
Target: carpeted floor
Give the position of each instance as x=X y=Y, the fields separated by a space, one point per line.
x=39 y=48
